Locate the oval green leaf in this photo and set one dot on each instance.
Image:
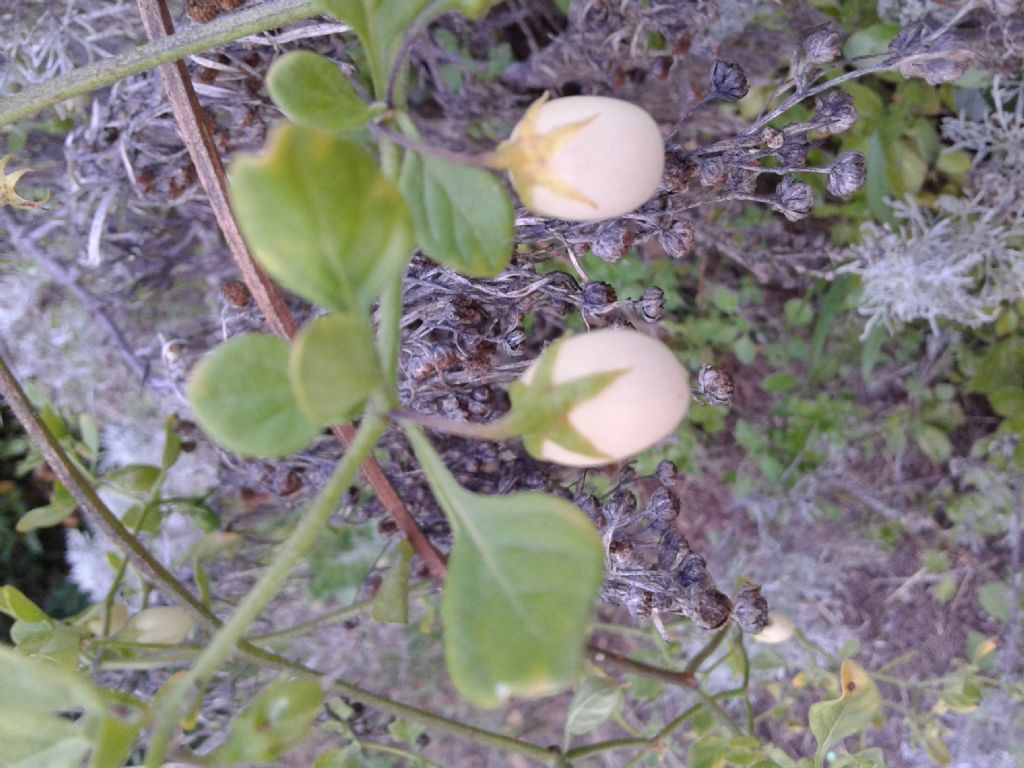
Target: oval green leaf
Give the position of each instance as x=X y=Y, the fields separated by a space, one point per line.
x=463 y=217
x=312 y=92
x=242 y=398
x=333 y=368
x=278 y=719
x=321 y=218
x=851 y=713
x=595 y=701
x=391 y=603
x=523 y=575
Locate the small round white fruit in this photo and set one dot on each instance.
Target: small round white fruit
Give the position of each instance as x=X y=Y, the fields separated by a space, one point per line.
x=638 y=409
x=165 y=625
x=584 y=158
x=778 y=629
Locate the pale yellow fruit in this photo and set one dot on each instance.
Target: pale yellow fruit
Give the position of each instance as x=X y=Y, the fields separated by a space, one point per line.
x=166 y=625
x=118 y=618
x=641 y=407
x=584 y=158
x=778 y=630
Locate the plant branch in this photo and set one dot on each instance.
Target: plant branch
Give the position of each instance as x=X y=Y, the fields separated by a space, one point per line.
x=225 y=641
x=670 y=676
x=93 y=508
x=193 y=40
x=210 y=169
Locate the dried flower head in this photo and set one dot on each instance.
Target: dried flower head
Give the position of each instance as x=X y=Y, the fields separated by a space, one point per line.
x=834 y=112
x=846 y=174
x=715 y=385
x=795 y=198
x=728 y=81
x=822 y=46
x=677 y=239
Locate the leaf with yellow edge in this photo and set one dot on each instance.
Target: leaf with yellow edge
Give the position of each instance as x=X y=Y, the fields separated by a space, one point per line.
x=858 y=704
x=8 y=196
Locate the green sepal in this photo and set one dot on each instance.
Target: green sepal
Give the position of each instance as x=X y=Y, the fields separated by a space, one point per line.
x=540 y=409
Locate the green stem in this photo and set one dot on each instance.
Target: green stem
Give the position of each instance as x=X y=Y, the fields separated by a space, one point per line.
x=709 y=648
x=225 y=641
x=329 y=618
x=492 y=430
x=196 y=39
x=95 y=511
x=609 y=746
x=384 y=749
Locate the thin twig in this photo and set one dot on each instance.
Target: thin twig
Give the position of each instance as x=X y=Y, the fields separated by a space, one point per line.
x=196 y=39
x=670 y=676
x=268 y=298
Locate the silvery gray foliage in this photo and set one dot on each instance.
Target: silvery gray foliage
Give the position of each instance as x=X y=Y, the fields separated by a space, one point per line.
x=960 y=260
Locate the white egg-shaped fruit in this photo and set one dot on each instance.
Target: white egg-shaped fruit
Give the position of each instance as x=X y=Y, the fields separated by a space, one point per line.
x=165 y=625
x=778 y=629
x=638 y=409
x=616 y=160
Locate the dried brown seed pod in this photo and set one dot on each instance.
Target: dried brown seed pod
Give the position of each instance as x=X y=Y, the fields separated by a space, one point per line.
x=822 y=46
x=598 y=298
x=712 y=172
x=652 y=304
x=834 y=112
x=846 y=174
x=612 y=241
x=663 y=505
x=716 y=385
x=728 y=81
x=750 y=609
x=771 y=138
x=236 y=293
x=677 y=239
x=661 y=66
x=667 y=473
x=795 y=198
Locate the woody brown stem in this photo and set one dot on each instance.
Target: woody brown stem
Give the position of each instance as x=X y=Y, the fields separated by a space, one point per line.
x=194 y=131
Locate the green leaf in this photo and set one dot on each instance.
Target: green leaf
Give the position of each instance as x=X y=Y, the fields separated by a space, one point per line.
x=381 y=26
x=859 y=703
x=172 y=445
x=321 y=218
x=36 y=686
x=596 y=700
x=242 y=398
x=831 y=305
x=522 y=579
x=90 y=434
x=780 y=381
x=114 y=741
x=54 y=513
x=744 y=349
x=798 y=311
x=472 y=9
x=139 y=478
x=36 y=740
x=312 y=91
x=14 y=603
x=333 y=368
x=934 y=443
x=391 y=603
x=871 y=351
x=279 y=718
x=876 y=187
x=725 y=299
x=996 y=600
x=463 y=217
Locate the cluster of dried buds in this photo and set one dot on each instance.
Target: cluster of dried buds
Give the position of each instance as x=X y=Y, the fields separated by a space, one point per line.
x=650 y=566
